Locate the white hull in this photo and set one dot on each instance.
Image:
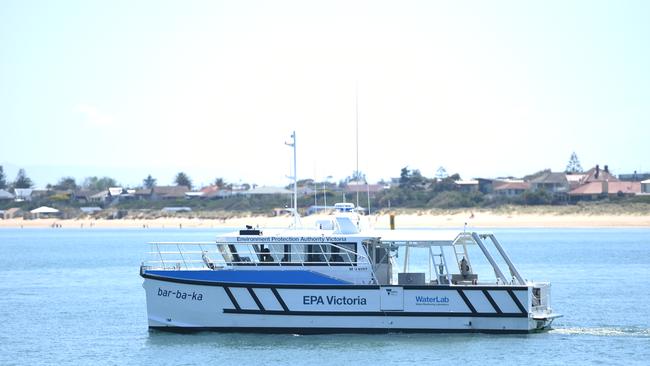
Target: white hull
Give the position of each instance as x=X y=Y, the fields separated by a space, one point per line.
x=331 y=309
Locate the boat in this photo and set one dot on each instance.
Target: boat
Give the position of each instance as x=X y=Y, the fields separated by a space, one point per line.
x=340 y=275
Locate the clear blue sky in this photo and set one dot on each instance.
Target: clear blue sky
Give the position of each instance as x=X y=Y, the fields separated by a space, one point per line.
x=214 y=88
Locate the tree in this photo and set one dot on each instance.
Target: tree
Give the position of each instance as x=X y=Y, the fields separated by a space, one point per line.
x=574 y=164
x=357 y=177
x=66 y=184
x=149 y=182
x=3 y=178
x=404 y=176
x=412 y=179
x=99 y=184
x=219 y=182
x=183 y=180
x=441 y=173
x=22 y=180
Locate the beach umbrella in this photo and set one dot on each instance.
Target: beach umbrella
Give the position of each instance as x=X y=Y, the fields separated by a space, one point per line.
x=44 y=210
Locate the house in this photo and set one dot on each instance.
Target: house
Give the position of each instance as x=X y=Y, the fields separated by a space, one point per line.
x=467 y=185
x=556 y=183
x=511 y=188
x=4 y=195
x=266 y=190
x=595 y=174
x=100 y=197
x=634 y=177
x=596 y=190
x=193 y=194
x=645 y=187
x=23 y=194
x=575 y=179
x=82 y=195
x=215 y=191
x=143 y=193
x=169 y=192
x=486 y=185
x=11 y=213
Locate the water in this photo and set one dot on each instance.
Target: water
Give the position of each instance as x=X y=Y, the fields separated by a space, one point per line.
x=71 y=297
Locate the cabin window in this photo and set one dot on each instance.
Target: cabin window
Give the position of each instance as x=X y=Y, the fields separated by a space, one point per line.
x=381 y=255
x=349 y=252
x=316 y=253
x=339 y=253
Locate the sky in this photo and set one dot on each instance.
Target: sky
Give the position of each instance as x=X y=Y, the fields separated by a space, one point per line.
x=215 y=88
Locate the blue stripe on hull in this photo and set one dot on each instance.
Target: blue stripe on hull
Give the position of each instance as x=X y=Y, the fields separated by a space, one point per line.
x=250 y=277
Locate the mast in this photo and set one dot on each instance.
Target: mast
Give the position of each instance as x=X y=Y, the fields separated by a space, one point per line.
x=356 y=106
x=295 y=179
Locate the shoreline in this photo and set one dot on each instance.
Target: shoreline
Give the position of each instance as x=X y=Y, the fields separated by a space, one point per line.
x=381 y=221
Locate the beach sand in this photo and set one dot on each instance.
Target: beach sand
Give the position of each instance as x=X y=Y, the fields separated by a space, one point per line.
x=406 y=220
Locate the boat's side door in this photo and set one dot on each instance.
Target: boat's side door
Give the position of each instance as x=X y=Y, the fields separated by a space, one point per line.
x=391 y=298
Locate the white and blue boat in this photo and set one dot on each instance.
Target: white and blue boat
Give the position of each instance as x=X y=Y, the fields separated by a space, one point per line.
x=341 y=276
x=337 y=277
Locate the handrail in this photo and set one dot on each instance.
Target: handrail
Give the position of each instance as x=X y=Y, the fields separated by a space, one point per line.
x=252 y=255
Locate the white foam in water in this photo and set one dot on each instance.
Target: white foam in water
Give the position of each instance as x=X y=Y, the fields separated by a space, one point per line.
x=604 y=332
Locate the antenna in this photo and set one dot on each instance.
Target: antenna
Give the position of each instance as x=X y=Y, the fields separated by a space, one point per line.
x=356 y=106
x=295 y=179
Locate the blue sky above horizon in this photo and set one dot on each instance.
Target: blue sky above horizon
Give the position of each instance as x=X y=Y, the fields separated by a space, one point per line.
x=214 y=88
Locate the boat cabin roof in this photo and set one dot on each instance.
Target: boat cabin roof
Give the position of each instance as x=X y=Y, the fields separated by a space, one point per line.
x=412 y=238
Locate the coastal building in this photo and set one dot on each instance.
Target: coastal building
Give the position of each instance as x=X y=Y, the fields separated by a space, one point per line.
x=265 y=190
x=6 y=196
x=596 y=174
x=511 y=188
x=645 y=187
x=215 y=192
x=486 y=185
x=11 y=213
x=142 y=193
x=193 y=194
x=169 y=192
x=634 y=177
x=23 y=194
x=467 y=185
x=556 y=183
x=82 y=195
x=603 y=189
x=575 y=179
x=100 y=197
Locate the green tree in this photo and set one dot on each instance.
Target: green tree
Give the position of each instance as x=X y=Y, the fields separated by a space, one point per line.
x=149 y=182
x=99 y=184
x=574 y=164
x=219 y=182
x=3 y=178
x=183 y=179
x=412 y=179
x=66 y=184
x=22 y=180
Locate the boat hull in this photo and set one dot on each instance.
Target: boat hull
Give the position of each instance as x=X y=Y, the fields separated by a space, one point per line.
x=183 y=305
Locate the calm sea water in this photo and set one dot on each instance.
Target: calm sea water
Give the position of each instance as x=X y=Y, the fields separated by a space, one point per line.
x=74 y=297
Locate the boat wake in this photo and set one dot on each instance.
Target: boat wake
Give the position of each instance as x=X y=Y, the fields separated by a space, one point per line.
x=605 y=331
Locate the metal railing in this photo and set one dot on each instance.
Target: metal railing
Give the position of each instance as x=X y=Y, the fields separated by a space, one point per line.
x=211 y=255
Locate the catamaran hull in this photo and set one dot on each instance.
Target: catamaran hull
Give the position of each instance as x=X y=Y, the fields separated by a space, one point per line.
x=186 y=305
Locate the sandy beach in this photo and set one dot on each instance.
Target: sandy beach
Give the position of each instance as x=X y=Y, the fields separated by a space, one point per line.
x=381 y=221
